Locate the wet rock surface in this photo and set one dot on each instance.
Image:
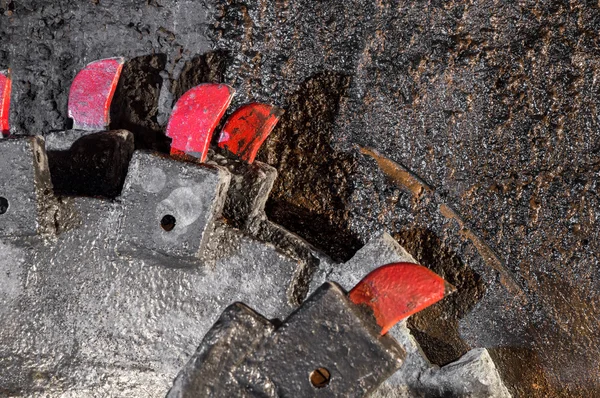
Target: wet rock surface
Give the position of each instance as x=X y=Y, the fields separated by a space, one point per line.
x=468 y=130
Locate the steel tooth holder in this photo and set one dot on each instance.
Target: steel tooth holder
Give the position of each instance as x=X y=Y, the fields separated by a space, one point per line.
x=331 y=346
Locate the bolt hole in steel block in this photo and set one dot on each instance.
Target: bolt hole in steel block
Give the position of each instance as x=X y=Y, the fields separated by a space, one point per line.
x=156 y=186
x=320 y=377
x=3 y=205
x=26 y=186
x=168 y=222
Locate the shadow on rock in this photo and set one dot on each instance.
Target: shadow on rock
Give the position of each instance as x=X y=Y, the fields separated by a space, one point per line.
x=313 y=188
x=135 y=103
x=436 y=327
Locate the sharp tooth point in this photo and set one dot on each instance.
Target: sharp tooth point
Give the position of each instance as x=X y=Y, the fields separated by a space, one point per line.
x=92 y=92
x=449 y=288
x=247 y=128
x=396 y=291
x=195 y=117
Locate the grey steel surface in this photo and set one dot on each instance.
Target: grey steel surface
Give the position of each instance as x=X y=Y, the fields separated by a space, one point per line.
x=158 y=186
x=86 y=313
x=24 y=184
x=249 y=188
x=328 y=331
x=209 y=372
x=78 y=319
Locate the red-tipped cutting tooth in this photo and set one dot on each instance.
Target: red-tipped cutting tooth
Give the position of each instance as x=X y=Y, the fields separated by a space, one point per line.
x=396 y=291
x=247 y=128
x=195 y=117
x=92 y=92
x=5 y=86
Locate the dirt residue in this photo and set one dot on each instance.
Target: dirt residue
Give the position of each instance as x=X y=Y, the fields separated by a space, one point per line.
x=135 y=103
x=313 y=187
x=436 y=327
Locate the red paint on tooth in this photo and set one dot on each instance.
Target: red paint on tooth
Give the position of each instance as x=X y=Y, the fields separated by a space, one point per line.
x=5 y=88
x=396 y=291
x=195 y=117
x=92 y=92
x=247 y=128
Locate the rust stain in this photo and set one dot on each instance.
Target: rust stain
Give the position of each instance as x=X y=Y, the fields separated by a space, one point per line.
x=397 y=173
x=418 y=188
x=486 y=252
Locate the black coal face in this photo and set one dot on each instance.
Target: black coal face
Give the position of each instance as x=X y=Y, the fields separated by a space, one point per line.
x=313 y=187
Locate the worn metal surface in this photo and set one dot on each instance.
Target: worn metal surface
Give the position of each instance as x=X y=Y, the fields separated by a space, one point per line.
x=25 y=187
x=474 y=375
x=247 y=128
x=171 y=205
x=91 y=94
x=86 y=313
x=327 y=332
x=195 y=117
x=80 y=320
x=248 y=191
x=208 y=373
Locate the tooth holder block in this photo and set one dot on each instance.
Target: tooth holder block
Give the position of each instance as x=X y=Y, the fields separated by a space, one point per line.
x=245 y=355
x=25 y=185
x=170 y=206
x=249 y=189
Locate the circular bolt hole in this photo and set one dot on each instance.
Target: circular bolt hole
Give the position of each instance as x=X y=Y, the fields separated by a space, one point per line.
x=168 y=223
x=3 y=205
x=320 y=377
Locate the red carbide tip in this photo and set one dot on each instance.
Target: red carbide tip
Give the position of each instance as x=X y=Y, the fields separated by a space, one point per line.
x=92 y=92
x=195 y=117
x=396 y=291
x=5 y=86
x=247 y=128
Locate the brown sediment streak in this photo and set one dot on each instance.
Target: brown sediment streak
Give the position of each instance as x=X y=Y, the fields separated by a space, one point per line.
x=398 y=173
x=405 y=178
x=490 y=258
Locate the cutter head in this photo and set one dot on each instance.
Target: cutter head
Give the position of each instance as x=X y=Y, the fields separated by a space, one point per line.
x=5 y=88
x=396 y=291
x=195 y=117
x=247 y=128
